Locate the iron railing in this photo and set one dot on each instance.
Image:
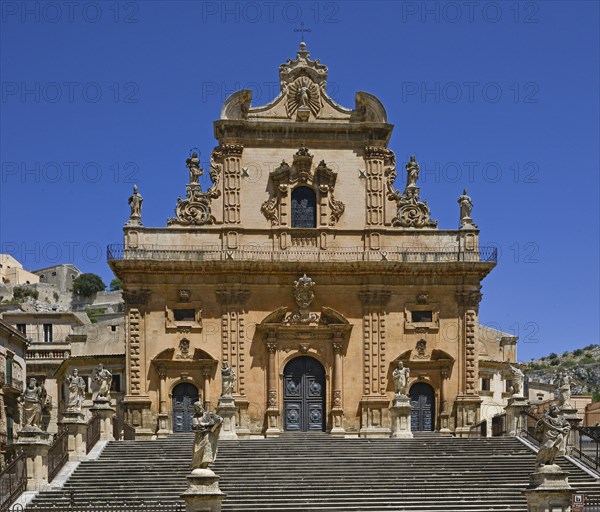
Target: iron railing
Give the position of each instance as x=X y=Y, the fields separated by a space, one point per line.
x=588 y=447
x=117 y=428
x=13 y=481
x=478 y=429
x=117 y=506
x=587 y=440
x=58 y=453
x=499 y=425
x=92 y=435
x=339 y=254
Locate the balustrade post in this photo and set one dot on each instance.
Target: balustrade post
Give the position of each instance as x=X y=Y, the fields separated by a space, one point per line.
x=35 y=444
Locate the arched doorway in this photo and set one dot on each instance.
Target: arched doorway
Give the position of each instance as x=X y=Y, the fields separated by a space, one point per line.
x=185 y=395
x=304 y=395
x=422 y=399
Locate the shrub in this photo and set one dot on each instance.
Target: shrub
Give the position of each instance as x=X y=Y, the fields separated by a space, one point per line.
x=554 y=362
x=552 y=356
x=88 y=284
x=116 y=284
x=20 y=293
x=577 y=352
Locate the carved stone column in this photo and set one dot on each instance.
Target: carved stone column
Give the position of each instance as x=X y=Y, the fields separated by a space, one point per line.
x=273 y=428
x=206 y=389
x=137 y=402
x=233 y=347
x=163 y=417
x=230 y=157
x=375 y=157
x=445 y=407
x=337 y=409
x=468 y=400
x=374 y=403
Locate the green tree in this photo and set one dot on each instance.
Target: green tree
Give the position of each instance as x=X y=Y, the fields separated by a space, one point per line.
x=596 y=397
x=116 y=284
x=20 y=293
x=88 y=284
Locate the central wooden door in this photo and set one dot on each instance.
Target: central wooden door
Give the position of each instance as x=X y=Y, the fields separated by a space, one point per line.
x=422 y=400
x=184 y=397
x=304 y=395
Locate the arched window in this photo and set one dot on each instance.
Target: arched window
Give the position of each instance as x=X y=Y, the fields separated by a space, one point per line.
x=304 y=208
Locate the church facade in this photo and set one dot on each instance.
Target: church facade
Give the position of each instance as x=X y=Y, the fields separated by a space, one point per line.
x=311 y=274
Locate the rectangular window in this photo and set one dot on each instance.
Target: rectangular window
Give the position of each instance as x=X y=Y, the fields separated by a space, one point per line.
x=47 y=333
x=9 y=372
x=116 y=383
x=508 y=386
x=485 y=383
x=22 y=328
x=113 y=328
x=184 y=315
x=421 y=316
x=9 y=429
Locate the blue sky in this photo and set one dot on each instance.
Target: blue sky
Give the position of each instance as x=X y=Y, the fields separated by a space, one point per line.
x=499 y=97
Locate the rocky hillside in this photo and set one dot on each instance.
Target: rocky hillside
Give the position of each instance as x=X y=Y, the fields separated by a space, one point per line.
x=582 y=365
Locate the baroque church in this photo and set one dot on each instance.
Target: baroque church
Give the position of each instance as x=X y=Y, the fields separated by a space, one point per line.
x=312 y=267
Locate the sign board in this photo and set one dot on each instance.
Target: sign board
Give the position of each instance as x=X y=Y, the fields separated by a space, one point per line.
x=577 y=502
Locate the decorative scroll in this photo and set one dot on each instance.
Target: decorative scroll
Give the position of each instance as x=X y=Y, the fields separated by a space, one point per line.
x=412 y=213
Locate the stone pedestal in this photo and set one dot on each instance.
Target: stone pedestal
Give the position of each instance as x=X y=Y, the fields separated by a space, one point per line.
x=35 y=443
x=103 y=408
x=273 y=429
x=337 y=422
x=163 y=426
x=549 y=490
x=515 y=421
x=374 y=417
x=400 y=412
x=203 y=493
x=77 y=427
x=227 y=410
x=242 y=427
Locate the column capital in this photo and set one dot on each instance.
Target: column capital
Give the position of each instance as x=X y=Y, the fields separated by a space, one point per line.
x=232 y=294
x=377 y=153
x=469 y=299
x=136 y=297
x=271 y=347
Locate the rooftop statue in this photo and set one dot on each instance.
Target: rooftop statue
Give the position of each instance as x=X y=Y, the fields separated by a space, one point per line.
x=135 y=203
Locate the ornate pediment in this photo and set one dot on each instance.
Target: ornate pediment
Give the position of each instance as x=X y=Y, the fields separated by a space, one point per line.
x=321 y=179
x=303 y=97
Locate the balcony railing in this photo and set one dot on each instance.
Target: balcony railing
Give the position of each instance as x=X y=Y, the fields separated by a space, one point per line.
x=348 y=254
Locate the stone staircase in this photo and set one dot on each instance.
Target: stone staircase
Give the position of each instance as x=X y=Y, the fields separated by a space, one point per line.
x=318 y=472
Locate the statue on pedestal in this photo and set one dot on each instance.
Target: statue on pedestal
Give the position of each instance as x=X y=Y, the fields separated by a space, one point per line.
x=135 y=203
x=551 y=431
x=518 y=378
x=104 y=378
x=563 y=383
x=412 y=169
x=34 y=400
x=400 y=376
x=76 y=391
x=206 y=426
x=228 y=378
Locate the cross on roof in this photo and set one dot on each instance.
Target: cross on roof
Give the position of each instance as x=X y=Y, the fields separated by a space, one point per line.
x=302 y=30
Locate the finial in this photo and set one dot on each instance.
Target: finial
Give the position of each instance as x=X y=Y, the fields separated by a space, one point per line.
x=302 y=30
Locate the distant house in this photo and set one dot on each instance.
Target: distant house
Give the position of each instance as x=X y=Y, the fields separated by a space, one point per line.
x=61 y=276
x=12 y=272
